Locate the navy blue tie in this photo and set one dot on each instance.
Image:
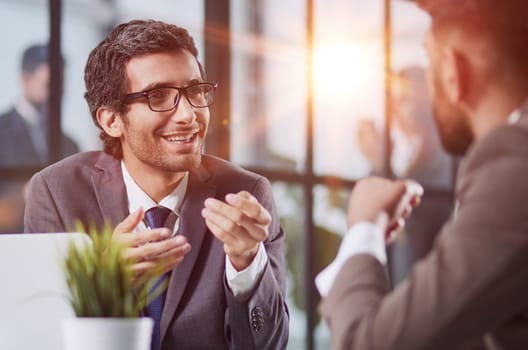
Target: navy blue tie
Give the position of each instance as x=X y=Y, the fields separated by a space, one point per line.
x=156 y=217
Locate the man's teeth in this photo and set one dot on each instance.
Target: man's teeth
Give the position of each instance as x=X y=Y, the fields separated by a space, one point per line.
x=180 y=139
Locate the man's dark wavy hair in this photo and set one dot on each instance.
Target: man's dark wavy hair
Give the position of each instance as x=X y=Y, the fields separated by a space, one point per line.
x=105 y=74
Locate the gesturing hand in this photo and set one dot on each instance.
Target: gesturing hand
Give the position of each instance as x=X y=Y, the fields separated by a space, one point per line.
x=150 y=252
x=241 y=223
x=373 y=196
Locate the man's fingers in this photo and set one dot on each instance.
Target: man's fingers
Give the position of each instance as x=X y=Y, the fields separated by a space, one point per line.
x=409 y=198
x=231 y=220
x=149 y=266
x=130 y=222
x=223 y=235
x=249 y=205
x=143 y=237
x=173 y=246
x=242 y=209
x=218 y=208
x=151 y=250
x=146 y=270
x=393 y=230
x=223 y=223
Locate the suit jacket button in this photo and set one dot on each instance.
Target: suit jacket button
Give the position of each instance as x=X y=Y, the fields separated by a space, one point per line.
x=257 y=318
x=257 y=311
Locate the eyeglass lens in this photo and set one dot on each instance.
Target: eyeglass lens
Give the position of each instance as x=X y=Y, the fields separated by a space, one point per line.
x=165 y=98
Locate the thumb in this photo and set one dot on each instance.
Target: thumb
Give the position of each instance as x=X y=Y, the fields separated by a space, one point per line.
x=130 y=222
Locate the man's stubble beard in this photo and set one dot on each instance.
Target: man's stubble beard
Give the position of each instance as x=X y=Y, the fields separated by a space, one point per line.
x=452 y=124
x=146 y=151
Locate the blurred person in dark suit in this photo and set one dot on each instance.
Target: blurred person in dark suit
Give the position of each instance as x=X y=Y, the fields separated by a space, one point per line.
x=470 y=291
x=24 y=127
x=416 y=153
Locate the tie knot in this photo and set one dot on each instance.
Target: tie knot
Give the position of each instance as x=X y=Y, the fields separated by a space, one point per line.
x=156 y=216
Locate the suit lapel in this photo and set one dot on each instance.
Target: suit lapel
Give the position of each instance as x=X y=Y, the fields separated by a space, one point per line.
x=110 y=191
x=193 y=227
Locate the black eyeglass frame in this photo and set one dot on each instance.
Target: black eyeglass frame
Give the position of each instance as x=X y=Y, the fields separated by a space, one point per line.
x=181 y=91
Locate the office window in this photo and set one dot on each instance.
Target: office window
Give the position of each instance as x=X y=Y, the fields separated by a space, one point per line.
x=416 y=151
x=290 y=202
x=348 y=82
x=23 y=91
x=268 y=84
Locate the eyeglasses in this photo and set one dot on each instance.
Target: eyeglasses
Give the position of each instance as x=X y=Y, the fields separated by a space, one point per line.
x=162 y=99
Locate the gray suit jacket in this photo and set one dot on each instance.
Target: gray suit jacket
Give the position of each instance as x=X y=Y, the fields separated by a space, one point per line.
x=472 y=288
x=200 y=310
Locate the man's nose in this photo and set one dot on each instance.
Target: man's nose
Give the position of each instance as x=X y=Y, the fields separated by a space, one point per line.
x=184 y=113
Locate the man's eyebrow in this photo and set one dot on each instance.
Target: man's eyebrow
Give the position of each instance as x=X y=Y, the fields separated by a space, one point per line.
x=156 y=84
x=194 y=81
x=161 y=84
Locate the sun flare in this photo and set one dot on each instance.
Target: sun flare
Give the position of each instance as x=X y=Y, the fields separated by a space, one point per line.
x=342 y=68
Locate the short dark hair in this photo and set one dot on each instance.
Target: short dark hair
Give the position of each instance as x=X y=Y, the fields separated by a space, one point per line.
x=503 y=23
x=34 y=56
x=105 y=73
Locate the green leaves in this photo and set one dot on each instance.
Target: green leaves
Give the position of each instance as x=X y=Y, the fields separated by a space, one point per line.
x=100 y=280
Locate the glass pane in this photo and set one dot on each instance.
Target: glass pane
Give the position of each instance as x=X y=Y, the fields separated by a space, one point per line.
x=23 y=97
x=290 y=207
x=416 y=149
x=348 y=82
x=80 y=20
x=25 y=88
x=330 y=224
x=268 y=84
x=28 y=25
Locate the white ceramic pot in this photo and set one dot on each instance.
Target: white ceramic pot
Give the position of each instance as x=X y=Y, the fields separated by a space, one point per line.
x=89 y=333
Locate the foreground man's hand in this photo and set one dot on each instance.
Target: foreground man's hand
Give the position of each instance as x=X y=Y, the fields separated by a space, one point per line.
x=150 y=252
x=375 y=196
x=241 y=223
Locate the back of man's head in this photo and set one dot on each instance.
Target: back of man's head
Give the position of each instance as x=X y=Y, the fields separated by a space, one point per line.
x=502 y=25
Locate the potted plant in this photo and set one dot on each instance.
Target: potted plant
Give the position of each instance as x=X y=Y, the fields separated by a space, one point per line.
x=106 y=303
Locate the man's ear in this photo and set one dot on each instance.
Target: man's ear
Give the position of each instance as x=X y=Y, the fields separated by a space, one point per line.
x=110 y=121
x=455 y=74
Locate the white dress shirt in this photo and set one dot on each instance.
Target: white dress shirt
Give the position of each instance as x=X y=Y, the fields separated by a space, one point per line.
x=242 y=282
x=362 y=238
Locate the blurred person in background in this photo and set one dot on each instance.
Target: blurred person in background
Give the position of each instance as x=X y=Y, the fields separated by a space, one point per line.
x=24 y=127
x=470 y=291
x=416 y=153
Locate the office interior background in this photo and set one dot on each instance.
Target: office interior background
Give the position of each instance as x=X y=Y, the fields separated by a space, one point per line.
x=299 y=80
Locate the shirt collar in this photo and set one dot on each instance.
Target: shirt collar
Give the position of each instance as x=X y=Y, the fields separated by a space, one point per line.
x=138 y=198
x=27 y=111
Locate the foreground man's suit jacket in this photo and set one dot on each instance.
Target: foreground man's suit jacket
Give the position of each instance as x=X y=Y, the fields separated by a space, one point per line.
x=472 y=287
x=200 y=311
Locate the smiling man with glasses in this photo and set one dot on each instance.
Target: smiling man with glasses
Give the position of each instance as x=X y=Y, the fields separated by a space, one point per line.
x=206 y=224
